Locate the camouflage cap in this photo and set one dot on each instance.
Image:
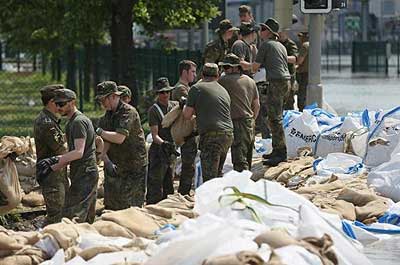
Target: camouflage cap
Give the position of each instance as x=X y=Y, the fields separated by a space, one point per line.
x=210 y=69
x=224 y=26
x=106 y=88
x=244 y=9
x=64 y=95
x=248 y=27
x=125 y=91
x=162 y=84
x=272 y=25
x=231 y=60
x=50 y=90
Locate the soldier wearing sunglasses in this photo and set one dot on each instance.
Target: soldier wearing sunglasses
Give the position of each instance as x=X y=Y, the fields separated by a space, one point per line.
x=80 y=199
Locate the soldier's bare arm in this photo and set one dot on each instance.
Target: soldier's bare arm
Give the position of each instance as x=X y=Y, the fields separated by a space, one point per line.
x=113 y=137
x=73 y=155
x=154 y=133
x=188 y=112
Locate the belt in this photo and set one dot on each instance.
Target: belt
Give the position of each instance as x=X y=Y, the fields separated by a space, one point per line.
x=217 y=133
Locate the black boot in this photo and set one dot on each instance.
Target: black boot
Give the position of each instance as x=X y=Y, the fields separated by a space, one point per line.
x=274 y=161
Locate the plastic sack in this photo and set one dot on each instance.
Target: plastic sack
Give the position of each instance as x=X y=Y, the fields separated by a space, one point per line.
x=338 y=163
x=385 y=179
x=324 y=118
x=332 y=140
x=9 y=185
x=301 y=132
x=262 y=146
x=383 y=138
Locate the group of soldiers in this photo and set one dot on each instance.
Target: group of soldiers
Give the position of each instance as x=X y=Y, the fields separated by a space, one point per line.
x=274 y=62
x=225 y=100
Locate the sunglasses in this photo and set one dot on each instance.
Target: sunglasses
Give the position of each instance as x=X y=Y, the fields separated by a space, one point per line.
x=61 y=104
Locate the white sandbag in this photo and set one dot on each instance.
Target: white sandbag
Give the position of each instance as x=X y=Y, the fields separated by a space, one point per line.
x=301 y=132
x=383 y=138
x=324 y=118
x=338 y=163
x=332 y=140
x=262 y=146
x=297 y=255
x=385 y=179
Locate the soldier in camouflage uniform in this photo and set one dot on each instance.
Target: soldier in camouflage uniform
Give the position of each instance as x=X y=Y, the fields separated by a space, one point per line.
x=272 y=54
x=50 y=141
x=211 y=104
x=245 y=106
x=80 y=200
x=216 y=50
x=124 y=155
x=187 y=74
x=162 y=151
x=292 y=50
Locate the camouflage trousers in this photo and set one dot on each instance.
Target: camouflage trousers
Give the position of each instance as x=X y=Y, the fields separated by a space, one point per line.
x=275 y=96
x=214 y=146
x=262 y=121
x=54 y=188
x=160 y=175
x=80 y=200
x=302 y=80
x=243 y=143
x=289 y=98
x=188 y=156
x=126 y=189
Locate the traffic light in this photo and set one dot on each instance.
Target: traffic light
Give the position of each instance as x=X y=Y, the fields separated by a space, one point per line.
x=315 y=6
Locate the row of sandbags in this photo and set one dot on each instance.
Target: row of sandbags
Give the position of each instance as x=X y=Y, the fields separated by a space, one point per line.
x=347 y=195
x=133 y=224
x=371 y=135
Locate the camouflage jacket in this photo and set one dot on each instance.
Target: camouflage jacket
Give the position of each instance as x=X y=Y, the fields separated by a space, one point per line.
x=131 y=153
x=49 y=138
x=215 y=51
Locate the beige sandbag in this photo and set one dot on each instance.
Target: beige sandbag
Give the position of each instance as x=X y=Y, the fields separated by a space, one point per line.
x=346 y=209
x=273 y=172
x=108 y=228
x=160 y=211
x=12 y=144
x=89 y=253
x=26 y=238
x=9 y=185
x=327 y=187
x=240 y=258
x=357 y=198
x=7 y=242
x=65 y=233
x=133 y=219
x=180 y=127
x=372 y=209
x=85 y=228
x=275 y=239
x=33 y=199
x=26 y=256
x=14 y=260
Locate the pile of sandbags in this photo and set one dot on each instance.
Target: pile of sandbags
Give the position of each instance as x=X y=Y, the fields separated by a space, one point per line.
x=350 y=198
x=18 y=248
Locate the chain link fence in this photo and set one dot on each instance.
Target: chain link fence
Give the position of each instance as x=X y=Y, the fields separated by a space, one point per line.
x=22 y=76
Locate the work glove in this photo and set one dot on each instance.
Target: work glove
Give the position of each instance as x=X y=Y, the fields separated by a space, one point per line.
x=169 y=149
x=182 y=102
x=110 y=168
x=43 y=167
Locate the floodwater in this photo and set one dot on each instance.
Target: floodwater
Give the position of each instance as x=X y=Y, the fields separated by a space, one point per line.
x=346 y=92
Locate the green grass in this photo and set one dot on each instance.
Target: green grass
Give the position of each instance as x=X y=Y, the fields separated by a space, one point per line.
x=20 y=103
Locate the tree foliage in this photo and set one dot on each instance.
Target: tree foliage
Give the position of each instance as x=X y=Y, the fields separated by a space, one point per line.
x=169 y=14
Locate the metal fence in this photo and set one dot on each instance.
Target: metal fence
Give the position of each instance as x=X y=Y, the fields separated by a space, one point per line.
x=23 y=75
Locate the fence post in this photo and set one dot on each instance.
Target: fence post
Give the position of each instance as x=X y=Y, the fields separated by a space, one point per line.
x=1 y=56
x=340 y=54
x=80 y=80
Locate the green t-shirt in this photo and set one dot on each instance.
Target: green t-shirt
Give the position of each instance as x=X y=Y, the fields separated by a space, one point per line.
x=78 y=127
x=242 y=91
x=272 y=54
x=303 y=68
x=155 y=118
x=211 y=103
x=126 y=120
x=243 y=50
